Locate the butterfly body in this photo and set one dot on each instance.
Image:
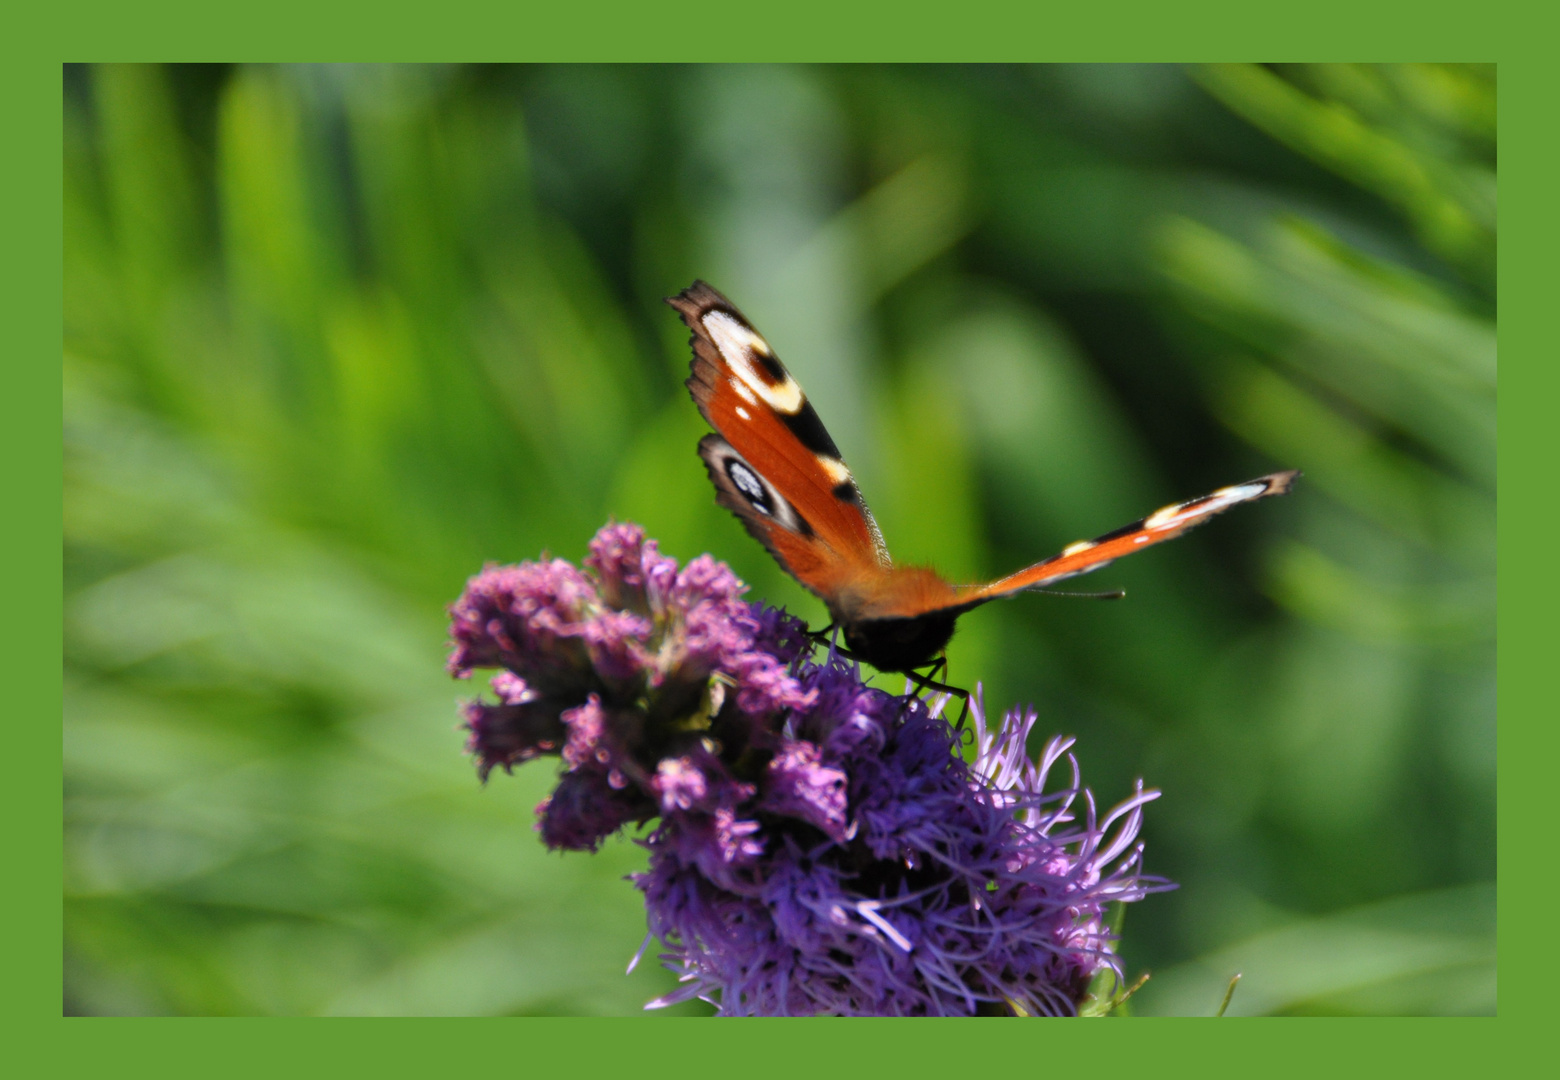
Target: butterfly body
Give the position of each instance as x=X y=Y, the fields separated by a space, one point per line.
x=900 y=644
x=776 y=468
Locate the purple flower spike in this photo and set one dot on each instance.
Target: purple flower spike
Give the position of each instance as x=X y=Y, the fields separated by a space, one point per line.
x=820 y=846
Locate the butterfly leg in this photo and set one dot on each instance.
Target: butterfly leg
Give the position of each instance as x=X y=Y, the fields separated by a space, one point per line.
x=962 y=695
x=828 y=638
x=928 y=684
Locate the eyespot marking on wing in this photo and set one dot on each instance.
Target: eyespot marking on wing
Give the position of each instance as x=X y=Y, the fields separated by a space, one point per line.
x=749 y=485
x=771 y=363
x=741 y=346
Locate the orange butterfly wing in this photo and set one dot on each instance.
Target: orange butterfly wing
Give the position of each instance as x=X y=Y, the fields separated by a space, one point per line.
x=772 y=462
x=1163 y=524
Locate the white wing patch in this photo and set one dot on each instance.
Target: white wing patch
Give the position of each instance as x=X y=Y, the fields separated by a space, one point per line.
x=738 y=344
x=743 y=392
x=838 y=473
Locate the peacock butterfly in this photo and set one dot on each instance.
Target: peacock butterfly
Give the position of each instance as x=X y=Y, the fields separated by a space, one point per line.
x=774 y=466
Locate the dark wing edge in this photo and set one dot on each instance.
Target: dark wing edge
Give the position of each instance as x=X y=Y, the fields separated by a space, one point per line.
x=692 y=304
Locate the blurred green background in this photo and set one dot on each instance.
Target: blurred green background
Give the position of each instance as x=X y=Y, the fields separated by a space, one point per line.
x=336 y=336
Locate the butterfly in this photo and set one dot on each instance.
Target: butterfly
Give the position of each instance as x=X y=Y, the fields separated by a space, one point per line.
x=776 y=468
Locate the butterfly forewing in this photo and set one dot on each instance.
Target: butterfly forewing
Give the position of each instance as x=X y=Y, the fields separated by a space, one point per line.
x=1163 y=524
x=772 y=442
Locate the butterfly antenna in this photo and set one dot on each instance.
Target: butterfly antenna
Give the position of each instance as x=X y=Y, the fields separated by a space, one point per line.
x=1112 y=594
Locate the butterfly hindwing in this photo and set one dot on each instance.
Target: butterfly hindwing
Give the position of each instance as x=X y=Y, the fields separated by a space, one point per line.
x=769 y=517
x=774 y=464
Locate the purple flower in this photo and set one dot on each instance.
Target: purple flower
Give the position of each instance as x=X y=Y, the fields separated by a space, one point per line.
x=621 y=667
x=820 y=846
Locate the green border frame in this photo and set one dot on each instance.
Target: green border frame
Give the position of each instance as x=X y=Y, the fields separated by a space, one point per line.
x=801 y=30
